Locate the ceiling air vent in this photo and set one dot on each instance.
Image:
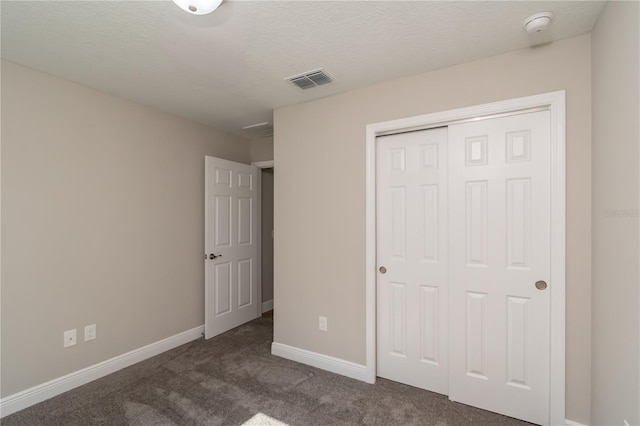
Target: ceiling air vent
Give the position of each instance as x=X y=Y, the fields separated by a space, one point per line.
x=310 y=79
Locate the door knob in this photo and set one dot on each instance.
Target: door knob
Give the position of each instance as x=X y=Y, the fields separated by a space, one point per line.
x=541 y=285
x=213 y=256
x=383 y=270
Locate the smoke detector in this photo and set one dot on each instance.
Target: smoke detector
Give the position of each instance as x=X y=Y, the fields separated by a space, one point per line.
x=538 y=22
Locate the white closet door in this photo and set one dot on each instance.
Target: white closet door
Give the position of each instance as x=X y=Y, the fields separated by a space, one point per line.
x=499 y=203
x=412 y=248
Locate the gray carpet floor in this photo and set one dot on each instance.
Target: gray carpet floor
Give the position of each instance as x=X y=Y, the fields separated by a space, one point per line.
x=233 y=379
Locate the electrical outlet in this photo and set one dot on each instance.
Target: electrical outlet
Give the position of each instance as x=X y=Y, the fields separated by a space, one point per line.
x=69 y=338
x=322 y=323
x=89 y=332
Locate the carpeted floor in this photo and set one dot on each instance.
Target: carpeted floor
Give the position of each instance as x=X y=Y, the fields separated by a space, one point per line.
x=233 y=379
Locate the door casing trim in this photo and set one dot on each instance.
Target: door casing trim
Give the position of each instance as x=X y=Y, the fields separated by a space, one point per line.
x=555 y=103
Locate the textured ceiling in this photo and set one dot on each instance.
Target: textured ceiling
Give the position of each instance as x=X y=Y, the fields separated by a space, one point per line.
x=227 y=69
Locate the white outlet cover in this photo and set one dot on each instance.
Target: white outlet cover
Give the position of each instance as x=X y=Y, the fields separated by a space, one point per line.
x=89 y=332
x=322 y=323
x=69 y=338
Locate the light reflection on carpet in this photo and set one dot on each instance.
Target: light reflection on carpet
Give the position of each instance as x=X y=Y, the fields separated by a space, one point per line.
x=261 y=419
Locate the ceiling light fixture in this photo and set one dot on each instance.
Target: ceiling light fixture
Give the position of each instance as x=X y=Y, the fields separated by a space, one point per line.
x=198 y=7
x=537 y=23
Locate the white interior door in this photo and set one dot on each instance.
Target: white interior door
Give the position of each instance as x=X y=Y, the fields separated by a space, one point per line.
x=499 y=318
x=231 y=245
x=412 y=258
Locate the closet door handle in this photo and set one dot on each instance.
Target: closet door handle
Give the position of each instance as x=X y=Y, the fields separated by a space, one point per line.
x=541 y=285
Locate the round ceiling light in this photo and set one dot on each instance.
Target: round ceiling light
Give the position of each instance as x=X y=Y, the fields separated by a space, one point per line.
x=537 y=23
x=198 y=7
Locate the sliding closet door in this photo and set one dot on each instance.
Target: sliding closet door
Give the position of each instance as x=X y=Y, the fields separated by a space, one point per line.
x=499 y=265
x=412 y=258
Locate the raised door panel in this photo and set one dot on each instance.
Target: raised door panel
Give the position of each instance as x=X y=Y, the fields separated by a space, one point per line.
x=517 y=344
x=398 y=319
x=398 y=222
x=223 y=288
x=222 y=221
x=476 y=209
x=245 y=220
x=518 y=223
x=431 y=227
x=430 y=324
x=476 y=335
x=245 y=282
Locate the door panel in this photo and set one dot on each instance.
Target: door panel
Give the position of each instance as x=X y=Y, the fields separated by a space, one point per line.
x=223 y=288
x=499 y=324
x=245 y=216
x=429 y=318
x=222 y=221
x=412 y=235
x=231 y=237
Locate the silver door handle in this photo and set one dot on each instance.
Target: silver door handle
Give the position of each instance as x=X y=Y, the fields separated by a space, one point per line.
x=383 y=270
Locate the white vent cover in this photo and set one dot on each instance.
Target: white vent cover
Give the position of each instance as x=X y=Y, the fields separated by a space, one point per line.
x=310 y=79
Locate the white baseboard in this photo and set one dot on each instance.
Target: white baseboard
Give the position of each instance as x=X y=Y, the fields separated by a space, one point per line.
x=21 y=400
x=572 y=423
x=267 y=306
x=44 y=391
x=324 y=362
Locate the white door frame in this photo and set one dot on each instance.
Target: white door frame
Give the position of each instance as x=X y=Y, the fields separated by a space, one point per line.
x=260 y=165
x=555 y=103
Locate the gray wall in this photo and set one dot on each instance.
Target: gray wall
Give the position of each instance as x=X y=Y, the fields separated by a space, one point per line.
x=320 y=217
x=102 y=222
x=616 y=199
x=262 y=149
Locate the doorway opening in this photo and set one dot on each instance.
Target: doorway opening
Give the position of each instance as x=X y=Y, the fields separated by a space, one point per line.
x=265 y=234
